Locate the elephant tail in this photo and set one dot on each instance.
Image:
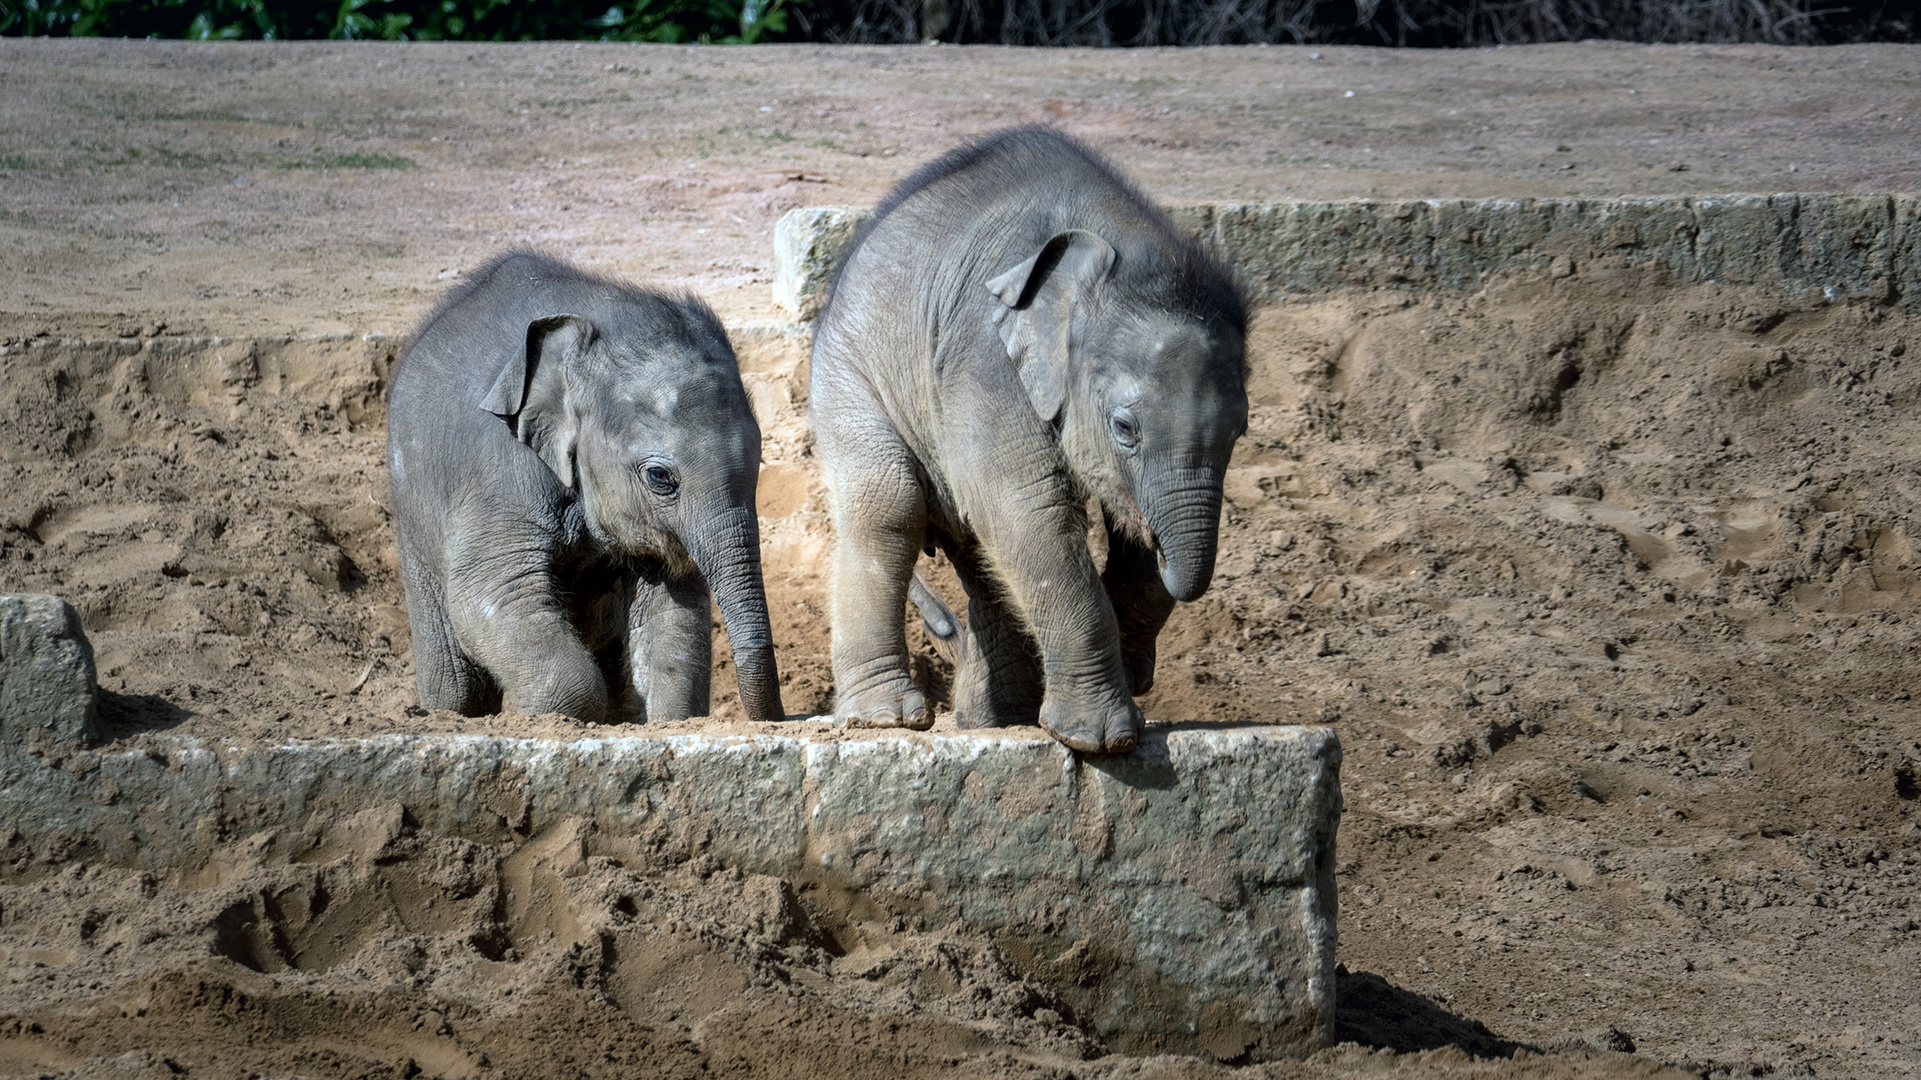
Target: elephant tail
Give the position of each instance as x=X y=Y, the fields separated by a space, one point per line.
x=939 y=619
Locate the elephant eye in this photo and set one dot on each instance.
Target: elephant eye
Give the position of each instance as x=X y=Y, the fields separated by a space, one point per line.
x=1125 y=433
x=660 y=480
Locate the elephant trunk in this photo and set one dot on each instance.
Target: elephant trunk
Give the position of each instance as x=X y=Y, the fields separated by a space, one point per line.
x=728 y=555
x=1186 y=523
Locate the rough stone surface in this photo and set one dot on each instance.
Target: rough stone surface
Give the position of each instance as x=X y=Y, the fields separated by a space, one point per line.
x=46 y=676
x=1840 y=246
x=1198 y=870
x=808 y=244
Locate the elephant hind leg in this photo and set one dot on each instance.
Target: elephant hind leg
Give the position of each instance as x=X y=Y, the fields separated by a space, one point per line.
x=446 y=678
x=1141 y=605
x=1000 y=680
x=880 y=516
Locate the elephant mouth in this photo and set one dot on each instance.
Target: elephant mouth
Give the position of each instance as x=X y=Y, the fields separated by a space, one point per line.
x=1132 y=520
x=1154 y=545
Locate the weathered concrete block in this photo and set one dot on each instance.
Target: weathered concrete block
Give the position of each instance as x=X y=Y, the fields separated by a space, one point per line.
x=46 y=676
x=808 y=245
x=1198 y=870
x=1840 y=246
x=1180 y=898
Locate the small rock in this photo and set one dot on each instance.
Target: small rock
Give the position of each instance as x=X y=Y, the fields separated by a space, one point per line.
x=808 y=244
x=1606 y=1038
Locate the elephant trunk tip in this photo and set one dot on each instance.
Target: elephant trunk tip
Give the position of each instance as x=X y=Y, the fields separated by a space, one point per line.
x=1186 y=586
x=1185 y=579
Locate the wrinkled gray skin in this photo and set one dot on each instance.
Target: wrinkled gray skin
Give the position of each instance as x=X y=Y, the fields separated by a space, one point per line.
x=1019 y=332
x=573 y=465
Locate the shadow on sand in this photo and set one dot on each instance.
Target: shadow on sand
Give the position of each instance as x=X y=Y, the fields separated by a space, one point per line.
x=1375 y=1013
x=121 y=715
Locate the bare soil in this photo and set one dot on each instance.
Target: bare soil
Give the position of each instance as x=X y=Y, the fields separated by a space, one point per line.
x=1607 y=584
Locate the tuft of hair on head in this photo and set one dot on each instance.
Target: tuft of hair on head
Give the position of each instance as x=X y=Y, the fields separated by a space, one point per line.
x=698 y=320
x=1198 y=283
x=1210 y=284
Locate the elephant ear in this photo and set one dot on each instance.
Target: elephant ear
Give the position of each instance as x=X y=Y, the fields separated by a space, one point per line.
x=1039 y=294
x=530 y=390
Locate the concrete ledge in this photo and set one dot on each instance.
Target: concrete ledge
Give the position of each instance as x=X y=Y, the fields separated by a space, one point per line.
x=1841 y=246
x=1180 y=898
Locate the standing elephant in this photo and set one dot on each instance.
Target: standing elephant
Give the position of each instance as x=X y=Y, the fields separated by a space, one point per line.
x=1019 y=330
x=573 y=464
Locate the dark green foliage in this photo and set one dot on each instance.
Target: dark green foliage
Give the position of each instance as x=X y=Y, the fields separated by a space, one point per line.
x=1430 y=23
x=1007 y=22
x=723 y=21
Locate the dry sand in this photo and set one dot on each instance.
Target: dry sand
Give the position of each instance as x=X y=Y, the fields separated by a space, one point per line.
x=1607 y=584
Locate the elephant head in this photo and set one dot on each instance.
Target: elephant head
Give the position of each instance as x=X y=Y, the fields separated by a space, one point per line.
x=647 y=423
x=1137 y=357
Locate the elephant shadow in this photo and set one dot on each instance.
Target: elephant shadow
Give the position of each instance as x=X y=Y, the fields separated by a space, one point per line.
x=1375 y=1013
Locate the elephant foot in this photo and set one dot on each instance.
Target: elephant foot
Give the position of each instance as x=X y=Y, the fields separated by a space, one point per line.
x=893 y=705
x=975 y=719
x=977 y=705
x=1114 y=729
x=580 y=693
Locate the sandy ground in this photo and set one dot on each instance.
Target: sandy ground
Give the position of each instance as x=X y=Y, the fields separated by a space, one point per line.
x=1607 y=585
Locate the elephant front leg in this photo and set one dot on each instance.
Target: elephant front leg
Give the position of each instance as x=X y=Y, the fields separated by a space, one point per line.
x=1141 y=605
x=507 y=616
x=1040 y=554
x=670 y=650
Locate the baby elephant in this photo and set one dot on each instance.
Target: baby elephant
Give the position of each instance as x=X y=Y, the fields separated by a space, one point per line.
x=573 y=464
x=1017 y=331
